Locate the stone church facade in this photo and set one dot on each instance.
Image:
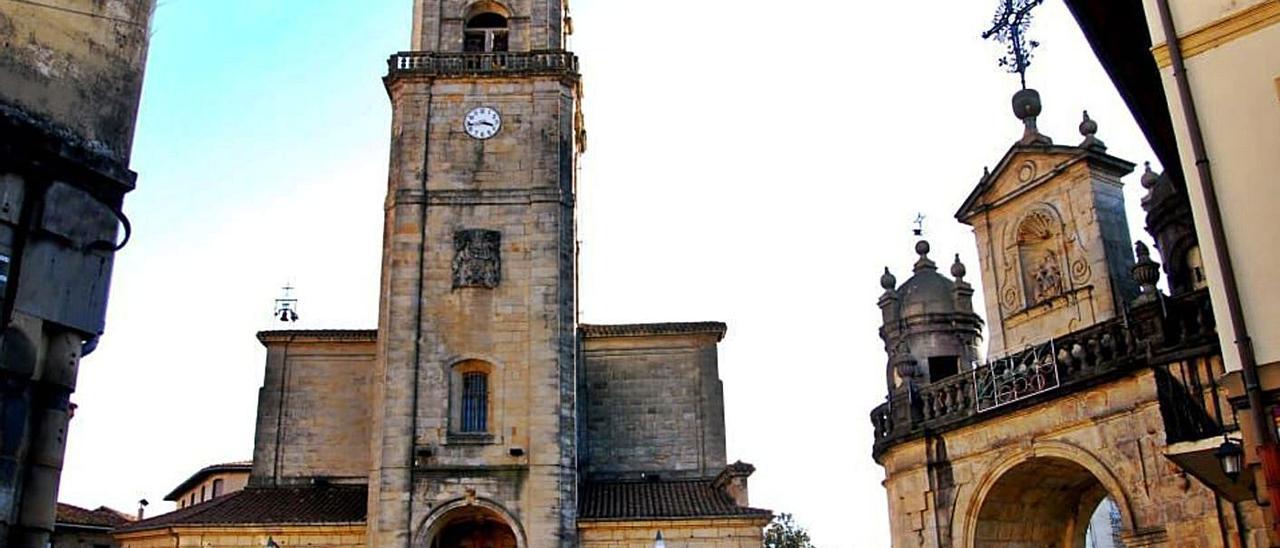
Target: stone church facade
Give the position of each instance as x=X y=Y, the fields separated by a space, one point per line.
x=1096 y=389
x=481 y=412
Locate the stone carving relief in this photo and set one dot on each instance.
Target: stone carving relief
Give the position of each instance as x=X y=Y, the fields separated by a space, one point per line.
x=1047 y=277
x=1026 y=171
x=1039 y=244
x=477 y=260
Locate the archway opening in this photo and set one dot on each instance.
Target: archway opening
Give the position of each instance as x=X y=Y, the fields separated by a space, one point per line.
x=1047 y=502
x=473 y=527
x=1104 y=526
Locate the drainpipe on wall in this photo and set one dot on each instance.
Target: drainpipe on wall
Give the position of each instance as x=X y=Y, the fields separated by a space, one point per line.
x=1264 y=437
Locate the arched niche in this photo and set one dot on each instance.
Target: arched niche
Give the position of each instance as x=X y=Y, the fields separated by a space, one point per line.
x=1041 y=255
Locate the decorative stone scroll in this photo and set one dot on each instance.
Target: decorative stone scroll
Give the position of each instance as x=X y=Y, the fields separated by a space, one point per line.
x=477 y=259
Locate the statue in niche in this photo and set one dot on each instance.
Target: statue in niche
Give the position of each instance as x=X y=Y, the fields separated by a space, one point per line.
x=1047 y=277
x=477 y=260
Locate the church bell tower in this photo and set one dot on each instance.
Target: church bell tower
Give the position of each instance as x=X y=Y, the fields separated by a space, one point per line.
x=473 y=438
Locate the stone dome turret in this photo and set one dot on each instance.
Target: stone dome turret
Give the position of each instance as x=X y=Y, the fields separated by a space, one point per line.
x=926 y=291
x=930 y=330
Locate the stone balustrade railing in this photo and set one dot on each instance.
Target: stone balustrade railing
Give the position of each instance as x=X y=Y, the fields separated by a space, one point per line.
x=555 y=62
x=1149 y=336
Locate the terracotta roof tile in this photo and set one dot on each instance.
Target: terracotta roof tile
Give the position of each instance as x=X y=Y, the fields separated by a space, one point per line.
x=605 y=500
x=69 y=514
x=269 y=506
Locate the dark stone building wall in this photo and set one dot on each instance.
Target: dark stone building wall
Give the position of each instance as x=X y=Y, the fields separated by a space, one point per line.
x=653 y=402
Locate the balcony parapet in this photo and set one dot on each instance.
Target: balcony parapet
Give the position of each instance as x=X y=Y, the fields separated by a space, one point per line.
x=1153 y=335
x=458 y=64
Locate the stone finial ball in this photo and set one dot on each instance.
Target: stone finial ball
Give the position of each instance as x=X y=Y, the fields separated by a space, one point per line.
x=957 y=269
x=1149 y=178
x=1088 y=127
x=1142 y=251
x=887 y=280
x=1026 y=104
x=922 y=248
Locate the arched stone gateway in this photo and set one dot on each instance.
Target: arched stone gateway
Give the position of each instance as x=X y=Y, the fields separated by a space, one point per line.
x=470 y=524
x=1044 y=501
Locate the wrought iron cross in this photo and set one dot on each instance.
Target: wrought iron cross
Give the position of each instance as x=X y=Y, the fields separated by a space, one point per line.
x=919 y=222
x=1009 y=27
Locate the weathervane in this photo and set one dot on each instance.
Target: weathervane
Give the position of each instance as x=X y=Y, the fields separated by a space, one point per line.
x=919 y=222
x=1009 y=27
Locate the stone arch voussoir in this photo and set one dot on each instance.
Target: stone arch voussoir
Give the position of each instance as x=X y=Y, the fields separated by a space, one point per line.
x=439 y=516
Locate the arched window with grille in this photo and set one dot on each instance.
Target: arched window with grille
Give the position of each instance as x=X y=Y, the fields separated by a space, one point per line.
x=485 y=32
x=475 y=402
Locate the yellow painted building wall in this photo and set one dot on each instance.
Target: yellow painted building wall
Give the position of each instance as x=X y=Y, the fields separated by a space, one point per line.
x=232 y=482
x=1232 y=64
x=694 y=533
x=335 y=536
x=77 y=63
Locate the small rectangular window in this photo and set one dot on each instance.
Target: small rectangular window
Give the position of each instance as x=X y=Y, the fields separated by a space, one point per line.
x=217 y=488
x=202 y=499
x=475 y=402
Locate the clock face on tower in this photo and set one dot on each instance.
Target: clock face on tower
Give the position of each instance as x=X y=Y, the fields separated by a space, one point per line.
x=482 y=122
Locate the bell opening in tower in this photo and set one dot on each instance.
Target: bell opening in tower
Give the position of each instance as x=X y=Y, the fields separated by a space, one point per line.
x=941 y=367
x=485 y=32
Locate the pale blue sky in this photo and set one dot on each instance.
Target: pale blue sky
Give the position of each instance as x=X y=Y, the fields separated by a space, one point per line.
x=754 y=162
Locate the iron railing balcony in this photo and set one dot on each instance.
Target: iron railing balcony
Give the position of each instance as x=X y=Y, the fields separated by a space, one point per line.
x=433 y=63
x=1166 y=337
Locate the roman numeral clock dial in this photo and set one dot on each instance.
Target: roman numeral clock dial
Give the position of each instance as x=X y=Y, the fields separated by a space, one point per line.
x=482 y=123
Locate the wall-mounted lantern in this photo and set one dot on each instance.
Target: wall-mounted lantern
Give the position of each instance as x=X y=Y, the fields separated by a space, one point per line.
x=1231 y=458
x=658 y=542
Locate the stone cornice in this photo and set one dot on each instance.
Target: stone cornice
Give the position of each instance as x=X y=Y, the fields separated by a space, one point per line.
x=319 y=335
x=471 y=197
x=595 y=331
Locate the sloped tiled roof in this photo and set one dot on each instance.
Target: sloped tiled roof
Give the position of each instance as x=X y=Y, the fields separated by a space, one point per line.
x=605 y=500
x=649 y=329
x=69 y=514
x=269 y=506
x=198 y=477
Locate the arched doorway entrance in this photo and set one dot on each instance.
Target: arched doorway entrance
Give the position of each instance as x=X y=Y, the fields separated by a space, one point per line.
x=469 y=526
x=1045 y=502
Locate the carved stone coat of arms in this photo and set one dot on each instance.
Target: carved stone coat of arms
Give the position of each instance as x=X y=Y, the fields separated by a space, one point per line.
x=477 y=260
